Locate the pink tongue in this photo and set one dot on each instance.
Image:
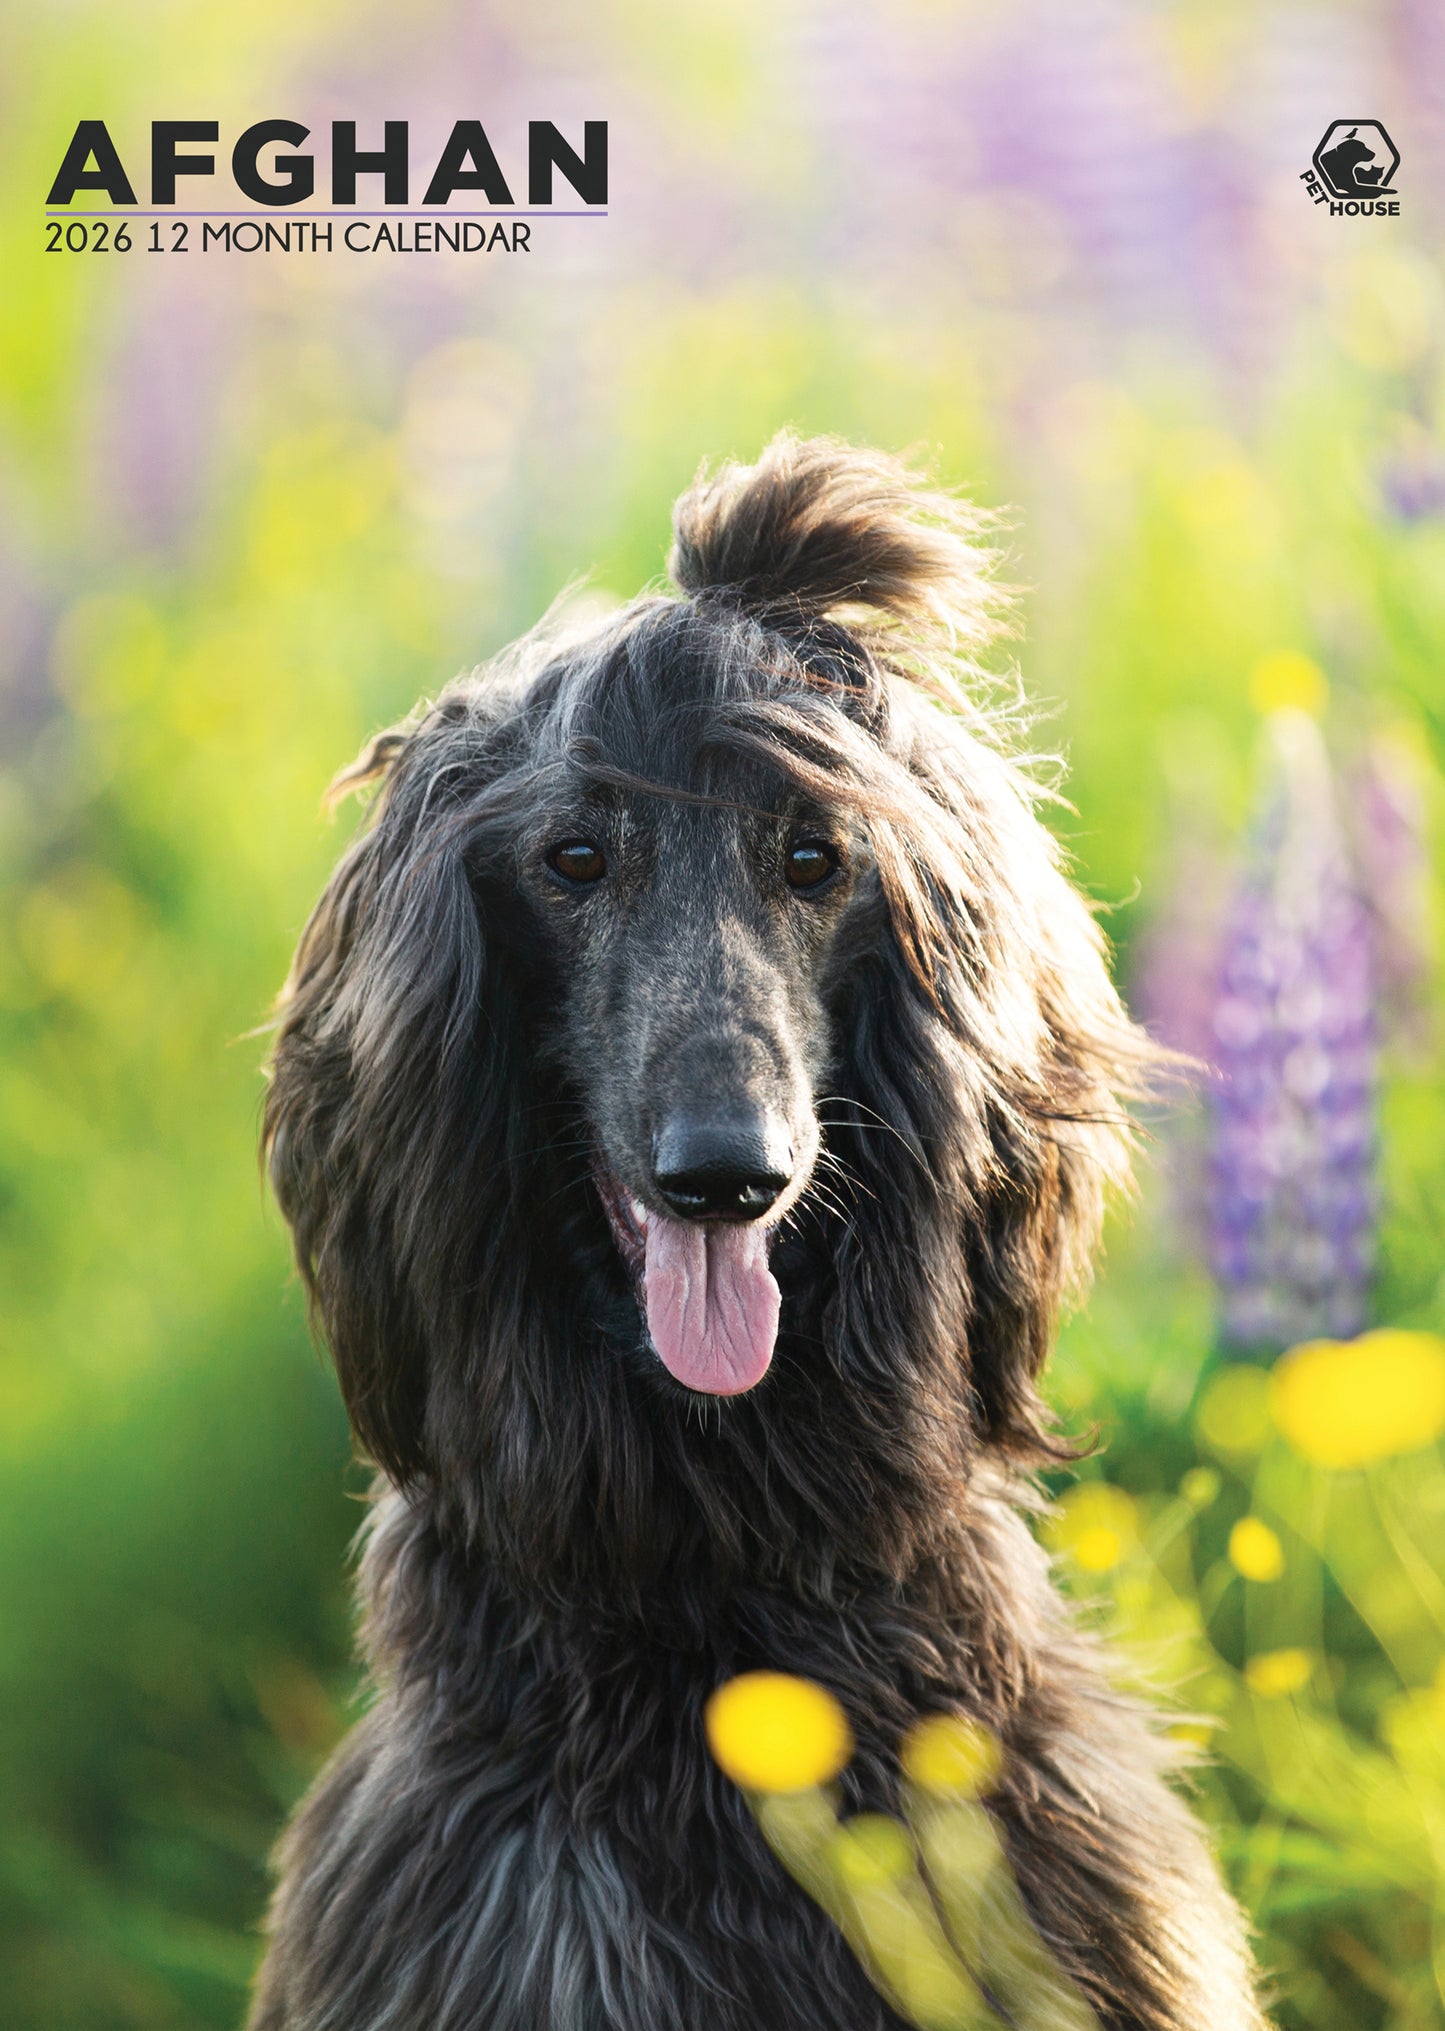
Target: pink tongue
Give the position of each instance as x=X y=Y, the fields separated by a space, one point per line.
x=712 y=1304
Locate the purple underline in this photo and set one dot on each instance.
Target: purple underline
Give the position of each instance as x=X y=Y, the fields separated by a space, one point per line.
x=267 y=212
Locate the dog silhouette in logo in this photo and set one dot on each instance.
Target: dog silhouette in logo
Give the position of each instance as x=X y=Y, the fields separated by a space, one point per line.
x=1345 y=166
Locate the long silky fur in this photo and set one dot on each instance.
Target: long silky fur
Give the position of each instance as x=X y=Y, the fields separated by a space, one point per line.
x=525 y=1832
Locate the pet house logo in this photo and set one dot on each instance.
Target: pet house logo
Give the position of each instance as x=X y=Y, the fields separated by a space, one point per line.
x=1354 y=170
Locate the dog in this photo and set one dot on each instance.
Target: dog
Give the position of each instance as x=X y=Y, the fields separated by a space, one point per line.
x=692 y=1099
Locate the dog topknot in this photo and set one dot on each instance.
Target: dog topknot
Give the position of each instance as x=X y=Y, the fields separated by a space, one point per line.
x=819 y=529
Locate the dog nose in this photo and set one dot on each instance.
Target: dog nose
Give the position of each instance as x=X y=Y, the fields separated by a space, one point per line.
x=732 y=1168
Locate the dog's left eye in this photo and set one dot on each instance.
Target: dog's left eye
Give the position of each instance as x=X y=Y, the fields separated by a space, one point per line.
x=809 y=863
x=578 y=860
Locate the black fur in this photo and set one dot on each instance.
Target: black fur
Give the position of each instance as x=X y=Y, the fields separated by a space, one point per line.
x=569 y=1549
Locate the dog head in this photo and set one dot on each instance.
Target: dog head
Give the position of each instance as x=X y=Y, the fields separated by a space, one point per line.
x=704 y=1014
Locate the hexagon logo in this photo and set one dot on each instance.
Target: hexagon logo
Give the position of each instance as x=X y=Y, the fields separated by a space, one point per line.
x=1356 y=159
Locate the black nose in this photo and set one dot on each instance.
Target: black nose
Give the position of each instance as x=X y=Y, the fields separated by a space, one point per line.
x=729 y=1168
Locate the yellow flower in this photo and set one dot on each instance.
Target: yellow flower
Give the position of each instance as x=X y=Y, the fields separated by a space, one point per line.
x=1254 y=1550
x=1288 y=681
x=770 y=1732
x=1233 y=1413
x=871 y=1848
x=1098 y=1549
x=1275 y=1674
x=1348 y=1403
x=1096 y=1525
x=945 y=1753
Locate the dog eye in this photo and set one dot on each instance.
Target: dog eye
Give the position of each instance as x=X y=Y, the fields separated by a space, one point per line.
x=578 y=860
x=809 y=863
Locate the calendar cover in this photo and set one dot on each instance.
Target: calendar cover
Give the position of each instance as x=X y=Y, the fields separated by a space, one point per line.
x=824 y=1407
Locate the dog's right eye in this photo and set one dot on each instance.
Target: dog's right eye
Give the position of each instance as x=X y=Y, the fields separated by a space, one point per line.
x=578 y=860
x=810 y=863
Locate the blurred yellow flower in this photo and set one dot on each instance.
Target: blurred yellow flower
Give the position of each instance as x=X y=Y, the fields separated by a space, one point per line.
x=1097 y=1525
x=1233 y=1413
x=1097 y=1549
x=1347 y=1403
x=1275 y=1674
x=770 y=1732
x=871 y=1848
x=947 y=1754
x=1288 y=681
x=1254 y=1550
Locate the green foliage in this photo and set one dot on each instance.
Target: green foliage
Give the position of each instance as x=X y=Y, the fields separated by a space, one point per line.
x=1295 y=1617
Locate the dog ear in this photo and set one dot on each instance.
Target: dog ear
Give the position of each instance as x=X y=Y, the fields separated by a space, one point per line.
x=818 y=528
x=375 y=1117
x=1063 y=1142
x=1021 y=1062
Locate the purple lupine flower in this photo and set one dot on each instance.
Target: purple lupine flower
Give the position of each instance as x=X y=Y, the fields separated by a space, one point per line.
x=1292 y=1169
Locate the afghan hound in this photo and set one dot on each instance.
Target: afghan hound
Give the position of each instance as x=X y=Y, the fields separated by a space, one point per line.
x=692 y=1098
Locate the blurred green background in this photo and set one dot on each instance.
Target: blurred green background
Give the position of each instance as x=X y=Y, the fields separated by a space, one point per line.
x=252 y=507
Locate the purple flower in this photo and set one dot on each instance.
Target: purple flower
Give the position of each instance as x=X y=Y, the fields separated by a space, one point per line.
x=1292 y=1163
